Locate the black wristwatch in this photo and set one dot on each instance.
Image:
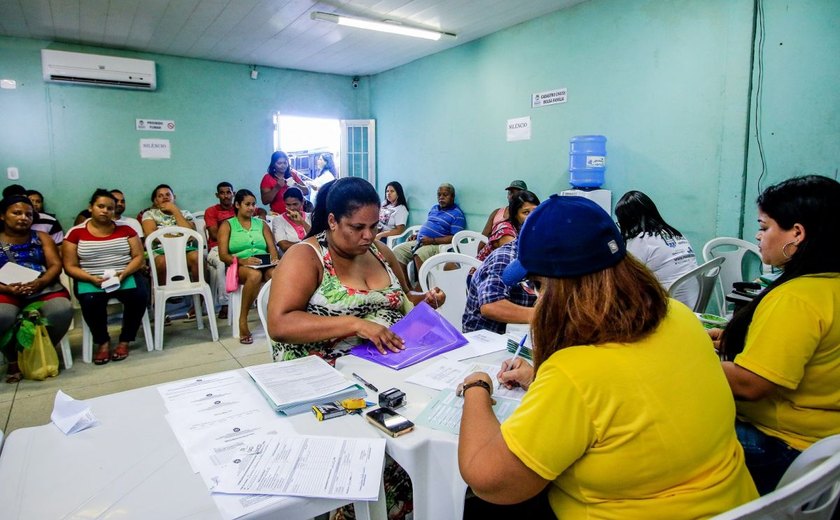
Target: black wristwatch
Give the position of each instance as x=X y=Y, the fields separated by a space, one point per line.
x=478 y=382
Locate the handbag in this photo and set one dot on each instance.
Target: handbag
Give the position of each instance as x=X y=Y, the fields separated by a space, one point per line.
x=39 y=361
x=232 y=276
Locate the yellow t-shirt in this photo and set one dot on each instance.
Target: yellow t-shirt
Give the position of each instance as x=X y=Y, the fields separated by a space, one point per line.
x=642 y=430
x=794 y=342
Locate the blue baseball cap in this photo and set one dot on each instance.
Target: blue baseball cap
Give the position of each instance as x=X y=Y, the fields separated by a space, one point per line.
x=565 y=237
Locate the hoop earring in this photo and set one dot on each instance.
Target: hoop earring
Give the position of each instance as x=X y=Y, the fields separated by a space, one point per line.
x=784 y=248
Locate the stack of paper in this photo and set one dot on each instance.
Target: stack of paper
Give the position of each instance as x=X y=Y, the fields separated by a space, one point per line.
x=292 y=387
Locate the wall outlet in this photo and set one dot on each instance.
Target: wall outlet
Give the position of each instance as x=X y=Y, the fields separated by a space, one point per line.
x=12 y=173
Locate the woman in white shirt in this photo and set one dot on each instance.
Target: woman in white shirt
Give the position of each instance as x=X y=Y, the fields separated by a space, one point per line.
x=393 y=214
x=290 y=227
x=655 y=243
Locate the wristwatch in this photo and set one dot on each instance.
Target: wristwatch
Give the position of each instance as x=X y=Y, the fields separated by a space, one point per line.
x=478 y=382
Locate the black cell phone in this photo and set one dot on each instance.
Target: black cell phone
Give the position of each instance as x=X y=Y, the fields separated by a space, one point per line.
x=264 y=259
x=389 y=421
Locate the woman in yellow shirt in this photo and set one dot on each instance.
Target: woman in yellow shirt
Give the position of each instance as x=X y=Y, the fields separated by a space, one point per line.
x=627 y=413
x=784 y=347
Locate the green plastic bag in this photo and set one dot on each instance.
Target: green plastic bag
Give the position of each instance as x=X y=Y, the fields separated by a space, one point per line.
x=39 y=361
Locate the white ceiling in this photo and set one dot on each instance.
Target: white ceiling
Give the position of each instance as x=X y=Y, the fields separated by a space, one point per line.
x=276 y=33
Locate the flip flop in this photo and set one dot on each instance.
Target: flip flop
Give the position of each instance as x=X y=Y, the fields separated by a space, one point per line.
x=120 y=353
x=247 y=339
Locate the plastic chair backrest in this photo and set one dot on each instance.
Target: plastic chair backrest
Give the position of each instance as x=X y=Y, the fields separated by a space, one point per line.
x=173 y=240
x=201 y=226
x=262 y=311
x=706 y=276
x=449 y=272
x=466 y=242
x=740 y=256
x=395 y=240
x=812 y=495
x=809 y=459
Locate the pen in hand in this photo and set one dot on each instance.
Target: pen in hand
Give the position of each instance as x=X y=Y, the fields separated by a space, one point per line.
x=362 y=380
x=515 y=355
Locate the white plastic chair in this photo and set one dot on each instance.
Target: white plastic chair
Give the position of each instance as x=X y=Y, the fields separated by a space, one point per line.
x=234 y=310
x=706 y=276
x=452 y=279
x=809 y=489
x=395 y=240
x=740 y=255
x=173 y=240
x=262 y=311
x=87 y=337
x=201 y=227
x=467 y=242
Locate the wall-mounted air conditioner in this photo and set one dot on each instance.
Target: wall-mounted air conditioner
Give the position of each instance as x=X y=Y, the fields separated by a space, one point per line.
x=92 y=69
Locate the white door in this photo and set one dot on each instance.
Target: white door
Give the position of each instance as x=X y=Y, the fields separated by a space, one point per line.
x=358 y=149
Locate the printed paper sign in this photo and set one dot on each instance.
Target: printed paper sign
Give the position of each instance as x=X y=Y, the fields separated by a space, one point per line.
x=552 y=97
x=519 y=129
x=155 y=149
x=155 y=125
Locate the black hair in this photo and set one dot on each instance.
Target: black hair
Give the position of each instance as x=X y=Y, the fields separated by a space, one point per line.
x=400 y=194
x=223 y=184
x=516 y=203
x=159 y=187
x=329 y=164
x=101 y=192
x=293 y=193
x=637 y=215
x=341 y=198
x=35 y=192
x=115 y=190
x=810 y=201
x=14 y=189
x=241 y=194
x=272 y=169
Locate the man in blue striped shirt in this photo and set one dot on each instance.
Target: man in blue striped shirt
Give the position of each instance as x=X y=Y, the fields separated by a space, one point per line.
x=444 y=220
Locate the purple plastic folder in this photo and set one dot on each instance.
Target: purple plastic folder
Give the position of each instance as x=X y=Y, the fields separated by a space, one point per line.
x=426 y=334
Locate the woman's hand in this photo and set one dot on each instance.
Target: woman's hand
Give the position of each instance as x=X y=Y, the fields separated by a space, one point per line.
x=251 y=260
x=715 y=334
x=516 y=372
x=169 y=208
x=476 y=376
x=435 y=297
x=294 y=216
x=381 y=337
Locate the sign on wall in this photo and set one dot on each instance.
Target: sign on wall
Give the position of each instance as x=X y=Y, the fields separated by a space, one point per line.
x=519 y=129
x=155 y=149
x=551 y=97
x=155 y=125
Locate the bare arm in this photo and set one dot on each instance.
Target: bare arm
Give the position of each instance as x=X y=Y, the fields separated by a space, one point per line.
x=269 y=243
x=434 y=297
x=224 y=243
x=398 y=230
x=488 y=227
x=294 y=281
x=746 y=385
x=506 y=311
x=487 y=465
x=149 y=226
x=267 y=194
x=137 y=258
x=53 y=264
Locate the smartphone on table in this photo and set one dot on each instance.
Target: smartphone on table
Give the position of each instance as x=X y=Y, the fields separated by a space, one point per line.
x=389 y=421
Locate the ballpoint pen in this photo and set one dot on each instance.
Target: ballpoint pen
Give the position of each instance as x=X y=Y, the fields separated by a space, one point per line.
x=515 y=355
x=362 y=380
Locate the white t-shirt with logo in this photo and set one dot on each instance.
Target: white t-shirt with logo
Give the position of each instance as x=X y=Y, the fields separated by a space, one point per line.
x=668 y=258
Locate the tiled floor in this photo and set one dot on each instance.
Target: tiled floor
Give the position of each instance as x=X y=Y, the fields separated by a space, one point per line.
x=187 y=352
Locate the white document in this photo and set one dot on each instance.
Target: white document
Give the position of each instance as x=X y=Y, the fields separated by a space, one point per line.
x=206 y=392
x=448 y=374
x=13 y=273
x=319 y=467
x=445 y=410
x=71 y=416
x=298 y=381
x=481 y=342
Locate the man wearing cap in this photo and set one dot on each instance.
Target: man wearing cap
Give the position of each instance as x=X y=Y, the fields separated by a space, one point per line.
x=500 y=214
x=491 y=304
x=444 y=220
x=627 y=413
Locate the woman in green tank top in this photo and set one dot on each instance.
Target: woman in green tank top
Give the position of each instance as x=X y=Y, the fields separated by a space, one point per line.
x=249 y=240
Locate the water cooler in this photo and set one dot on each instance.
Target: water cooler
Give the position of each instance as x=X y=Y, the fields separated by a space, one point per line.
x=587 y=165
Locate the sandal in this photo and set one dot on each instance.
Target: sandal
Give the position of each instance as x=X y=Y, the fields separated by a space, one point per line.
x=102 y=357
x=190 y=314
x=247 y=339
x=223 y=312
x=120 y=353
x=13 y=374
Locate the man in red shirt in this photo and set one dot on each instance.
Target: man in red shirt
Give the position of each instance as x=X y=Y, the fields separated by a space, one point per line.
x=213 y=217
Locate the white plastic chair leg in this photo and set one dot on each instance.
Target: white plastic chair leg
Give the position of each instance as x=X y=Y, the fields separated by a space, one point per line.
x=234 y=310
x=65 y=352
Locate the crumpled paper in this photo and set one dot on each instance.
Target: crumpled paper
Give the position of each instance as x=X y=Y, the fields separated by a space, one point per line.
x=71 y=416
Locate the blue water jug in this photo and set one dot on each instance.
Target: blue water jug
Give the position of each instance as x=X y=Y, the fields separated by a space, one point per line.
x=587 y=161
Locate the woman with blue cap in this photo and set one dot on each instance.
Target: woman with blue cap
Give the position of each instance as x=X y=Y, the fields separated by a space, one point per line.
x=627 y=413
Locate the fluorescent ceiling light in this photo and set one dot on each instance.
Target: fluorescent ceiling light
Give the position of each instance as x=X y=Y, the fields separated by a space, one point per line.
x=388 y=27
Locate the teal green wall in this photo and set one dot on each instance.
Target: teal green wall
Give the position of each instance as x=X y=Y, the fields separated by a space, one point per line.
x=799 y=105
x=668 y=83
x=67 y=140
